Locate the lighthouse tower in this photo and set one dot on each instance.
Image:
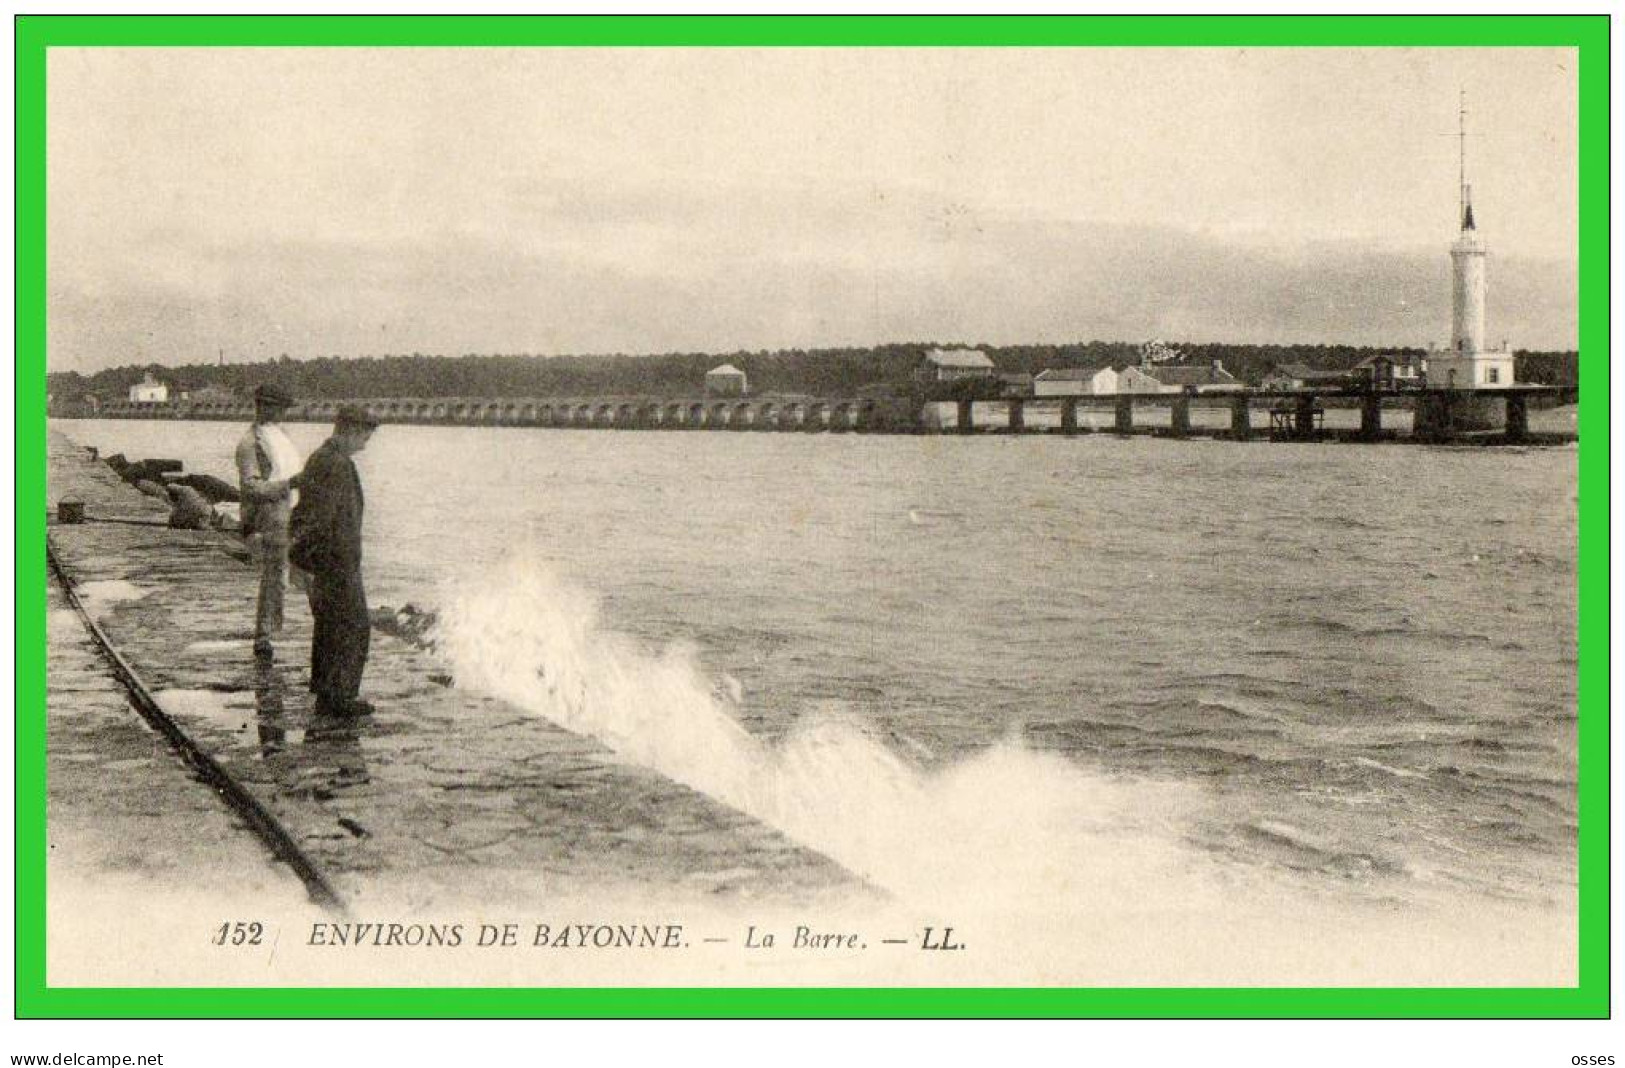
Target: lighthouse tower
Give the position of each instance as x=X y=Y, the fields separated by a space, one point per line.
x=1470 y=363
x=1467 y=284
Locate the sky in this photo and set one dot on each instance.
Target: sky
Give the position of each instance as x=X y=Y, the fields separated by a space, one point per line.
x=256 y=202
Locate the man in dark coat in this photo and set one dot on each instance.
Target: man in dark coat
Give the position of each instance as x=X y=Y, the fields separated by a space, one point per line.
x=326 y=541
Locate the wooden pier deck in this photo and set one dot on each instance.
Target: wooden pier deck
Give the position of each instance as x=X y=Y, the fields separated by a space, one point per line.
x=443 y=796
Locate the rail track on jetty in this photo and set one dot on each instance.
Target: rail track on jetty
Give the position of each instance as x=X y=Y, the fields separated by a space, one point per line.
x=243 y=804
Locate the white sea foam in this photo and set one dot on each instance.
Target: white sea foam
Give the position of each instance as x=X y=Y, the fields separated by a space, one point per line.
x=1086 y=877
x=1010 y=823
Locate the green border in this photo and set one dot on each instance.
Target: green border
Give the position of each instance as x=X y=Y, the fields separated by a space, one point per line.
x=1587 y=33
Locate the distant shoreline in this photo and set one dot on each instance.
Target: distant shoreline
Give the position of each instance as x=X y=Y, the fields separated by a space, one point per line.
x=1239 y=415
x=867 y=371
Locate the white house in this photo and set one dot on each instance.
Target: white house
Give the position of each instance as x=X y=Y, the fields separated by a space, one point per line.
x=1386 y=371
x=951 y=365
x=1177 y=378
x=1212 y=378
x=149 y=391
x=1075 y=382
x=1132 y=379
x=726 y=381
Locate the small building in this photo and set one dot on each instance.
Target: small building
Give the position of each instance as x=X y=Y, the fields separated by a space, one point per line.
x=1286 y=376
x=1210 y=379
x=1075 y=382
x=726 y=381
x=1483 y=369
x=1177 y=378
x=1132 y=379
x=149 y=391
x=1384 y=371
x=1015 y=385
x=954 y=365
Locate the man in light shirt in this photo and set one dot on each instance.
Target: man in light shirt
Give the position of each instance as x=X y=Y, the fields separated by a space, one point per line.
x=267 y=467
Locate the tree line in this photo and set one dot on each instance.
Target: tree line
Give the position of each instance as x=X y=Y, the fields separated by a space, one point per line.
x=882 y=369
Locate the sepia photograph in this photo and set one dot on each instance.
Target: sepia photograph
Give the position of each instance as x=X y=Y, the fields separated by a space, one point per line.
x=812 y=517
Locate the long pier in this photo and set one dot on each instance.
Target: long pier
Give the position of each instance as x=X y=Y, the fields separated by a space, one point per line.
x=1439 y=416
x=601 y=412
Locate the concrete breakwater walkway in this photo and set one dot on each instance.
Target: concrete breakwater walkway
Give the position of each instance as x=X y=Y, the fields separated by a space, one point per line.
x=444 y=795
x=107 y=766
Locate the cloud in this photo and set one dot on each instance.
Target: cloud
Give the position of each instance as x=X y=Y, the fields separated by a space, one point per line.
x=555 y=266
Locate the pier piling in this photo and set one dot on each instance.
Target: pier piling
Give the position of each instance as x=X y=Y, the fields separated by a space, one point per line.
x=1069 y=416
x=1179 y=416
x=1517 y=418
x=1125 y=414
x=1371 y=416
x=1241 y=417
x=1303 y=418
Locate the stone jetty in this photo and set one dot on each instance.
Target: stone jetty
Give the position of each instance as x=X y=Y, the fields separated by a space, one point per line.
x=444 y=795
x=109 y=769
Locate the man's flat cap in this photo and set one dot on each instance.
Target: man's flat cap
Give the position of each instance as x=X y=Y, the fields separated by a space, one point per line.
x=272 y=394
x=355 y=415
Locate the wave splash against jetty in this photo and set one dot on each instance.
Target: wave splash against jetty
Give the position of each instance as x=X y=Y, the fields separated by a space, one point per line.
x=1008 y=821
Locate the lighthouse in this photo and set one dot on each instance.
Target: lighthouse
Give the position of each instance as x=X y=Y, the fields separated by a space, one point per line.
x=1470 y=363
x=1467 y=284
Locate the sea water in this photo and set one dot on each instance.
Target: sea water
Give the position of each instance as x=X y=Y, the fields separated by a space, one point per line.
x=1022 y=669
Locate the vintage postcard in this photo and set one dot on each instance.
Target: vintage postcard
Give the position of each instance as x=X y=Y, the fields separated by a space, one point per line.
x=1061 y=516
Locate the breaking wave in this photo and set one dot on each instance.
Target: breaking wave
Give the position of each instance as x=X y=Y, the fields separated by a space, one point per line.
x=1030 y=823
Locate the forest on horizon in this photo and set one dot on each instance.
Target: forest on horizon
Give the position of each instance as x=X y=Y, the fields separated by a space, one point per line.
x=883 y=369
